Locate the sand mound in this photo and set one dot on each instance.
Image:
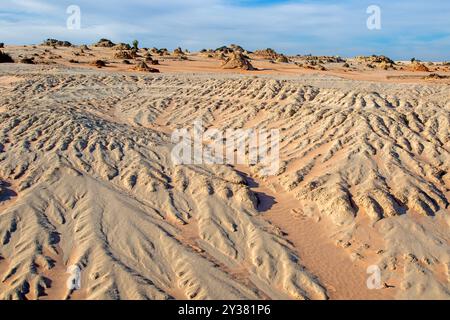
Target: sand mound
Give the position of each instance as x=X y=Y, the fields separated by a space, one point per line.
x=236 y=47
x=122 y=46
x=313 y=64
x=321 y=59
x=224 y=50
x=380 y=62
x=282 y=59
x=149 y=59
x=419 y=67
x=56 y=43
x=375 y=59
x=142 y=66
x=98 y=63
x=178 y=52
x=267 y=54
x=385 y=66
x=122 y=54
x=237 y=60
x=160 y=52
x=104 y=43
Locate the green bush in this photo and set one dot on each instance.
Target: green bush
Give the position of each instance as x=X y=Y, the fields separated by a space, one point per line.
x=136 y=44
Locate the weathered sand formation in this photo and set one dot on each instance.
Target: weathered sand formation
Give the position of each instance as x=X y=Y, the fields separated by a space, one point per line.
x=105 y=43
x=268 y=54
x=377 y=168
x=96 y=188
x=282 y=59
x=98 y=63
x=375 y=59
x=237 y=60
x=323 y=59
x=417 y=66
x=161 y=52
x=56 y=43
x=142 y=66
x=123 y=54
x=178 y=52
x=149 y=59
x=120 y=56
x=122 y=46
x=272 y=55
x=380 y=62
x=87 y=180
x=367 y=157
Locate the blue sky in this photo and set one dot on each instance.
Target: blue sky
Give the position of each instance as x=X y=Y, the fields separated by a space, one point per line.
x=410 y=28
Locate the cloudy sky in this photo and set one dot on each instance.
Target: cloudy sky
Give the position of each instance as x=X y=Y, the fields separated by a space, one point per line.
x=409 y=28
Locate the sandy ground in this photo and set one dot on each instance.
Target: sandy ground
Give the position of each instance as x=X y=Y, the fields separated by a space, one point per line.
x=201 y=63
x=342 y=277
x=87 y=180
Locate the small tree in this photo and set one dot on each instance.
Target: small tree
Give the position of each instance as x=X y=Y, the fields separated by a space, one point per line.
x=136 y=44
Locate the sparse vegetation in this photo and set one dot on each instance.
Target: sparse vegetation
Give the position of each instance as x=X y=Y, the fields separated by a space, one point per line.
x=135 y=45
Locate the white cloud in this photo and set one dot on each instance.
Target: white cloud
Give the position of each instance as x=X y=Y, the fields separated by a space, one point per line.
x=29 y=6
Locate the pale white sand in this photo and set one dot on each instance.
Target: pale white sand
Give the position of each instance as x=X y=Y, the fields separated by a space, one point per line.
x=88 y=180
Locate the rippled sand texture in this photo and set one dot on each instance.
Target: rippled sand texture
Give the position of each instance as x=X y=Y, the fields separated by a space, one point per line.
x=87 y=179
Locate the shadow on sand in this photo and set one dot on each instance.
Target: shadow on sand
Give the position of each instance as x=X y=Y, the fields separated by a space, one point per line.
x=265 y=202
x=7 y=193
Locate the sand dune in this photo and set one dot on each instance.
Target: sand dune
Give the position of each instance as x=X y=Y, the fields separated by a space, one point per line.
x=87 y=180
